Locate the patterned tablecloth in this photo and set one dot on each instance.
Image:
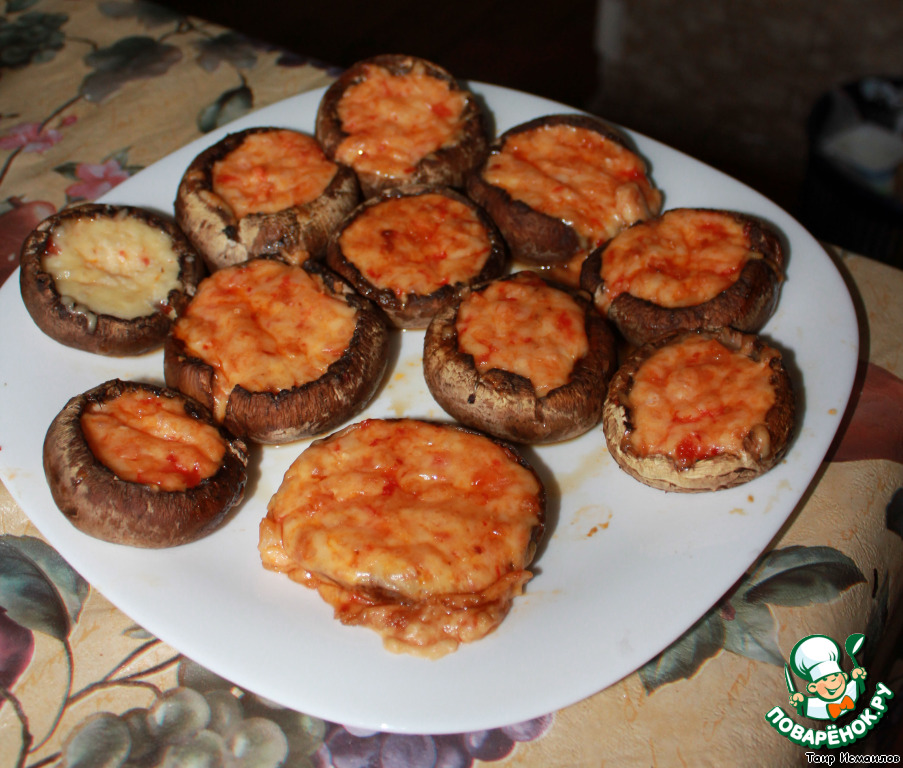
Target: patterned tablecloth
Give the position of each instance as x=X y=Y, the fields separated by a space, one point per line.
x=93 y=91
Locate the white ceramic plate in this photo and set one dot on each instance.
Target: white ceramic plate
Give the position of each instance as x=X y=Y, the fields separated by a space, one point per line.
x=624 y=571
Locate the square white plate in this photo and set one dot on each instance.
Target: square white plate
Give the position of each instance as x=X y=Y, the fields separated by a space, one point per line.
x=624 y=570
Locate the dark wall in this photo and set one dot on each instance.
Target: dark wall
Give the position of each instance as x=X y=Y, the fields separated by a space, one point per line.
x=531 y=45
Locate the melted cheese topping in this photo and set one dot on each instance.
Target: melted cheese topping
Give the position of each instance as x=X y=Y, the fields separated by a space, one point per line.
x=266 y=326
x=271 y=171
x=393 y=121
x=697 y=399
x=420 y=531
x=577 y=175
x=416 y=244
x=682 y=259
x=524 y=326
x=118 y=266
x=144 y=438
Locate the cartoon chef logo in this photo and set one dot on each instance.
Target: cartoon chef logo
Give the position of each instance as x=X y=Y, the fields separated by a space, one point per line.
x=832 y=692
x=830 y=695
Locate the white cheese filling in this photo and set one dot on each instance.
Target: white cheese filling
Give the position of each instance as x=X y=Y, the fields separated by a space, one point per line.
x=118 y=266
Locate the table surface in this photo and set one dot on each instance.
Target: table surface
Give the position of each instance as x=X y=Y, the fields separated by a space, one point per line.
x=91 y=93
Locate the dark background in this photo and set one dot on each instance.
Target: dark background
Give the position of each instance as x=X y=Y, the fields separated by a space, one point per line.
x=544 y=48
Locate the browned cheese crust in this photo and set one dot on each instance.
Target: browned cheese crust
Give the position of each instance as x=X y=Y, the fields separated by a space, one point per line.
x=447 y=166
x=102 y=505
x=400 y=533
x=745 y=306
x=293 y=234
x=535 y=237
x=414 y=310
x=76 y=326
x=305 y=410
x=763 y=447
x=506 y=404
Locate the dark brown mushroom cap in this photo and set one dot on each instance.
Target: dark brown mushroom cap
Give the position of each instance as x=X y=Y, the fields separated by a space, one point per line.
x=293 y=234
x=746 y=305
x=414 y=310
x=102 y=505
x=763 y=447
x=505 y=404
x=447 y=166
x=535 y=237
x=79 y=327
x=305 y=410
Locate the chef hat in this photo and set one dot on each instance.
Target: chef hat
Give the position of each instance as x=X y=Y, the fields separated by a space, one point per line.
x=815 y=656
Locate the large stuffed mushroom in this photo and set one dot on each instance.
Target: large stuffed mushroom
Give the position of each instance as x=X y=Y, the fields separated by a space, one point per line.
x=420 y=531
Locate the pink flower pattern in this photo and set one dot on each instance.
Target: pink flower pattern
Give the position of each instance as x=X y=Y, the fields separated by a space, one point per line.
x=96 y=179
x=30 y=137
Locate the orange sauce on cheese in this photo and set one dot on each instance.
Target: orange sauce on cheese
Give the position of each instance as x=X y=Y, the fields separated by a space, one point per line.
x=697 y=399
x=682 y=259
x=524 y=326
x=577 y=175
x=417 y=244
x=143 y=438
x=419 y=531
x=271 y=171
x=266 y=326
x=393 y=121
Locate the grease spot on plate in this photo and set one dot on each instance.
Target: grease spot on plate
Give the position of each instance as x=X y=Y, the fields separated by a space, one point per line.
x=590 y=520
x=590 y=465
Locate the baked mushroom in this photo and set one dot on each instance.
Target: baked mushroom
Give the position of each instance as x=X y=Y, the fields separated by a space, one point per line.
x=558 y=186
x=700 y=411
x=277 y=351
x=400 y=119
x=142 y=465
x=263 y=191
x=689 y=268
x=107 y=279
x=520 y=358
x=420 y=531
x=410 y=248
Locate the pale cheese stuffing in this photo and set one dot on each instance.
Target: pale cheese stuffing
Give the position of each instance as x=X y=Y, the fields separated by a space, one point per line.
x=118 y=266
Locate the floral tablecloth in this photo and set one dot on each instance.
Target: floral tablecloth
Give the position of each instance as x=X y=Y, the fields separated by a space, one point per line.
x=93 y=91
